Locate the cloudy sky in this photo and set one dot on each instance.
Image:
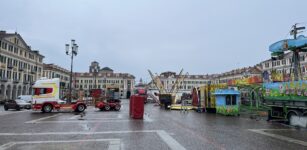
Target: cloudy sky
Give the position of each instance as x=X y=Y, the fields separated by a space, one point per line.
x=200 y=36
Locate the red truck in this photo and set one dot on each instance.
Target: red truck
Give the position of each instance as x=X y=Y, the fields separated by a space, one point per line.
x=46 y=97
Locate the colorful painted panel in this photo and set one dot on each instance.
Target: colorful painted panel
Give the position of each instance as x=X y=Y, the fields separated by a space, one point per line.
x=295 y=90
x=228 y=110
x=211 y=101
x=227 y=101
x=246 y=81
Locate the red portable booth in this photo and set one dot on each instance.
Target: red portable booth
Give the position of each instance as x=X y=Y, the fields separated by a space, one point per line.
x=136 y=107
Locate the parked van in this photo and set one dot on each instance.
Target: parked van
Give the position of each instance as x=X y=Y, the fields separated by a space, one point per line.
x=27 y=98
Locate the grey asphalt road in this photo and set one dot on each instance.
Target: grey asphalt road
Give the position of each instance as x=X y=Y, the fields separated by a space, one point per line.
x=160 y=129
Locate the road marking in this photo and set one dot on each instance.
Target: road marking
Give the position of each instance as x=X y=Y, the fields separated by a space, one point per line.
x=43 y=118
x=12 y=112
x=96 y=117
x=81 y=121
x=280 y=137
x=114 y=144
x=169 y=140
x=76 y=133
x=74 y=117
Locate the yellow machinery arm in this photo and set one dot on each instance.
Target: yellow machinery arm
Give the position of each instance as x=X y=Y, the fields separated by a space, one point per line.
x=175 y=86
x=178 y=83
x=156 y=80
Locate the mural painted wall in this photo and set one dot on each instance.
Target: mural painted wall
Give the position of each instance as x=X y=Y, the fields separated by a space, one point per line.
x=293 y=90
x=227 y=101
x=228 y=110
x=245 y=81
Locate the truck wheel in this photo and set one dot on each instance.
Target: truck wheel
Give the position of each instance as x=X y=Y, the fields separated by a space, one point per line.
x=117 y=107
x=47 y=108
x=290 y=117
x=80 y=108
x=107 y=107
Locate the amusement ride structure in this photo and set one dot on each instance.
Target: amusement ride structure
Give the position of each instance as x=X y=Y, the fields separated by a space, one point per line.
x=168 y=97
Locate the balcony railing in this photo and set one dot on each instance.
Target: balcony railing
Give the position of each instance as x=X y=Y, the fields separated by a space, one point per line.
x=25 y=82
x=33 y=71
x=10 y=66
x=3 y=79
x=16 y=80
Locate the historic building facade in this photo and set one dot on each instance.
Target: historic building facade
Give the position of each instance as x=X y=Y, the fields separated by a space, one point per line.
x=20 y=66
x=169 y=78
x=236 y=74
x=55 y=71
x=283 y=66
x=106 y=79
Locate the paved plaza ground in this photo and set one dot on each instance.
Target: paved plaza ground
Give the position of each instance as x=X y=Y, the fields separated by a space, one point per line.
x=159 y=130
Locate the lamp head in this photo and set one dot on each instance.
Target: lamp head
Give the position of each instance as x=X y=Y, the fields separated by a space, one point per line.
x=67 y=48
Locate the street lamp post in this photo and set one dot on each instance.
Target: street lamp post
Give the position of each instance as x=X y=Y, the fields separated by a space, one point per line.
x=73 y=51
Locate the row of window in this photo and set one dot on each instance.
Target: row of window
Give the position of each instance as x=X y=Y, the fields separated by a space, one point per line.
x=17 y=51
x=16 y=63
x=282 y=62
x=92 y=86
x=186 y=82
x=285 y=71
x=49 y=74
x=15 y=75
x=101 y=81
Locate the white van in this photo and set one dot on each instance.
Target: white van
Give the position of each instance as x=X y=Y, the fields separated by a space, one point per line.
x=27 y=98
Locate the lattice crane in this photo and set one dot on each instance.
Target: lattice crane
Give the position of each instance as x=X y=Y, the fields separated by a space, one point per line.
x=156 y=80
x=178 y=83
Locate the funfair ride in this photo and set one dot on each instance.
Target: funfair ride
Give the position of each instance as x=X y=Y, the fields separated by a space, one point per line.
x=167 y=98
x=288 y=99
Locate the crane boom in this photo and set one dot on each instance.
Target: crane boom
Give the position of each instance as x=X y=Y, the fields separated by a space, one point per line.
x=176 y=82
x=156 y=80
x=180 y=82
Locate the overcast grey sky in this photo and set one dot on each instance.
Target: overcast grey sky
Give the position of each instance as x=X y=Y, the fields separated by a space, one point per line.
x=132 y=36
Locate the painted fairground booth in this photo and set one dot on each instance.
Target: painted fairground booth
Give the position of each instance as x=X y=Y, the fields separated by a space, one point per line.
x=250 y=89
x=227 y=101
x=203 y=98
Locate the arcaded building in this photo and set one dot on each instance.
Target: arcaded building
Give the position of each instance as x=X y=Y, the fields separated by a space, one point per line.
x=20 y=66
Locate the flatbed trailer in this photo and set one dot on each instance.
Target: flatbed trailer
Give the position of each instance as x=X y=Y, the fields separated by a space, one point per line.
x=49 y=106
